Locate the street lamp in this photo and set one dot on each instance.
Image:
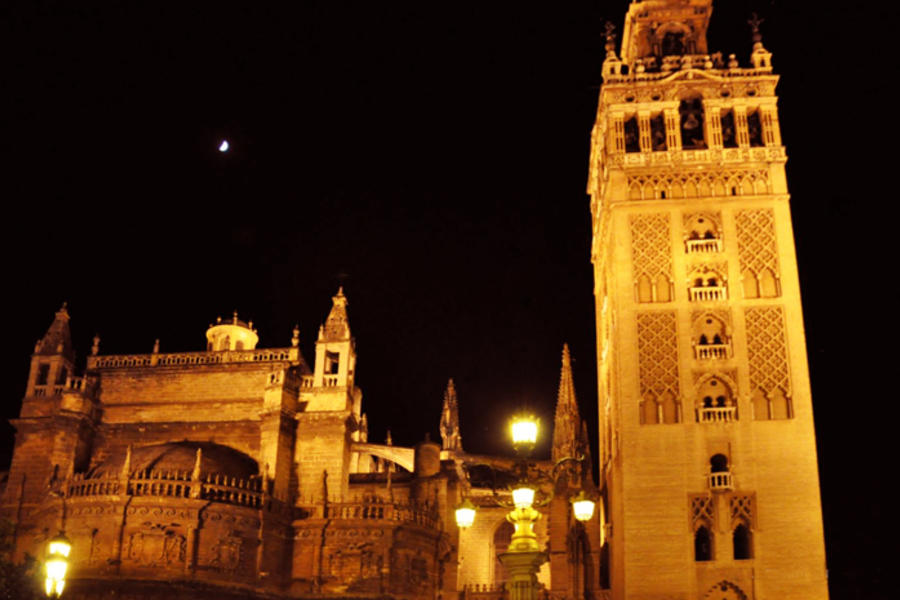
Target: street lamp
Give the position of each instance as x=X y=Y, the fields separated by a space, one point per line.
x=56 y=565
x=523 y=558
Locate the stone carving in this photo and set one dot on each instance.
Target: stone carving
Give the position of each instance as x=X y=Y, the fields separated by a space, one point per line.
x=697 y=184
x=651 y=252
x=702 y=510
x=757 y=252
x=725 y=590
x=658 y=352
x=742 y=509
x=227 y=553
x=156 y=545
x=767 y=350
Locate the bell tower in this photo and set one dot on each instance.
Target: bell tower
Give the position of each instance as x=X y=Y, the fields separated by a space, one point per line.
x=707 y=443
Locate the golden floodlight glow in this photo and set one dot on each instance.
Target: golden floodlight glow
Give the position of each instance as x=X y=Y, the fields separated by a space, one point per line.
x=524 y=430
x=523 y=497
x=56 y=565
x=465 y=514
x=583 y=507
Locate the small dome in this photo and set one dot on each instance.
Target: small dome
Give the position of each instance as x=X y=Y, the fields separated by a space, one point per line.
x=181 y=456
x=231 y=334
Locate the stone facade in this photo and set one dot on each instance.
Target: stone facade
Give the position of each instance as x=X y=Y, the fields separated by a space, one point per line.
x=707 y=443
x=242 y=472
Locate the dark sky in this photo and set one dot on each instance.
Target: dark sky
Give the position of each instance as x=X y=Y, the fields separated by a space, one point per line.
x=432 y=158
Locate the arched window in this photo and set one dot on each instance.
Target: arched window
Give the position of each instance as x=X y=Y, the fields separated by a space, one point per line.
x=754 y=129
x=729 y=139
x=702 y=544
x=718 y=463
x=741 y=538
x=658 y=133
x=632 y=137
x=502 y=537
x=691 y=112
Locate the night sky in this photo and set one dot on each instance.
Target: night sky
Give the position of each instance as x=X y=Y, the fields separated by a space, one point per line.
x=431 y=157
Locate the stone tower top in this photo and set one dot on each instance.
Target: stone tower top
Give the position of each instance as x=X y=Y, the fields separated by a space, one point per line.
x=337 y=326
x=231 y=334
x=660 y=28
x=58 y=339
x=450 y=420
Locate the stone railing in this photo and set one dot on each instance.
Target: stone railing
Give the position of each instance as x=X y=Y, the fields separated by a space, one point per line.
x=708 y=294
x=173 y=484
x=484 y=591
x=707 y=245
x=126 y=361
x=720 y=482
x=376 y=511
x=705 y=155
x=711 y=351
x=49 y=390
x=719 y=414
x=673 y=64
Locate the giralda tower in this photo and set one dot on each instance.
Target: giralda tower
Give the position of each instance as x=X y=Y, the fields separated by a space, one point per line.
x=707 y=442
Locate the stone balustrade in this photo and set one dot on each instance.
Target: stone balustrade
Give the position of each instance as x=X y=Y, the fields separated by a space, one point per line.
x=127 y=361
x=711 y=351
x=720 y=482
x=172 y=484
x=719 y=414
x=708 y=294
x=707 y=155
x=376 y=511
x=648 y=72
x=484 y=591
x=706 y=245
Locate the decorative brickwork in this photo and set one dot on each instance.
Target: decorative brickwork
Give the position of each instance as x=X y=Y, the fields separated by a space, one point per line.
x=702 y=511
x=767 y=350
x=758 y=252
x=742 y=508
x=697 y=184
x=651 y=251
x=658 y=353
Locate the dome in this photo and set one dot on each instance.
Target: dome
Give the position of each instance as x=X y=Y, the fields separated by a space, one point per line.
x=181 y=456
x=233 y=334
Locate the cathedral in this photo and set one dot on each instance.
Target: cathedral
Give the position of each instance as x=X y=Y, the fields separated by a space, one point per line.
x=246 y=472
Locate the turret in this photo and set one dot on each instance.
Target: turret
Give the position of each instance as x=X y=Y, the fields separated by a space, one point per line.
x=53 y=358
x=656 y=30
x=231 y=335
x=336 y=351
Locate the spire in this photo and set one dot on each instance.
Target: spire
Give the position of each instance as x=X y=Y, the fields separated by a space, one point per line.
x=450 y=420
x=337 y=327
x=567 y=423
x=58 y=339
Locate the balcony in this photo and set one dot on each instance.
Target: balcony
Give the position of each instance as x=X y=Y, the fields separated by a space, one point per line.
x=708 y=294
x=721 y=481
x=711 y=351
x=699 y=246
x=721 y=414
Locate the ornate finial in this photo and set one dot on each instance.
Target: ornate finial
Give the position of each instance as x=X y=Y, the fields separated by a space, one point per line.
x=235 y=320
x=195 y=474
x=732 y=61
x=218 y=320
x=249 y=324
x=388 y=440
x=126 y=465
x=156 y=346
x=754 y=22
x=95 y=349
x=450 y=437
x=610 y=39
x=295 y=338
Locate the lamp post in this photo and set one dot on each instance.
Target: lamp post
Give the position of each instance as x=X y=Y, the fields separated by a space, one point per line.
x=56 y=565
x=524 y=557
